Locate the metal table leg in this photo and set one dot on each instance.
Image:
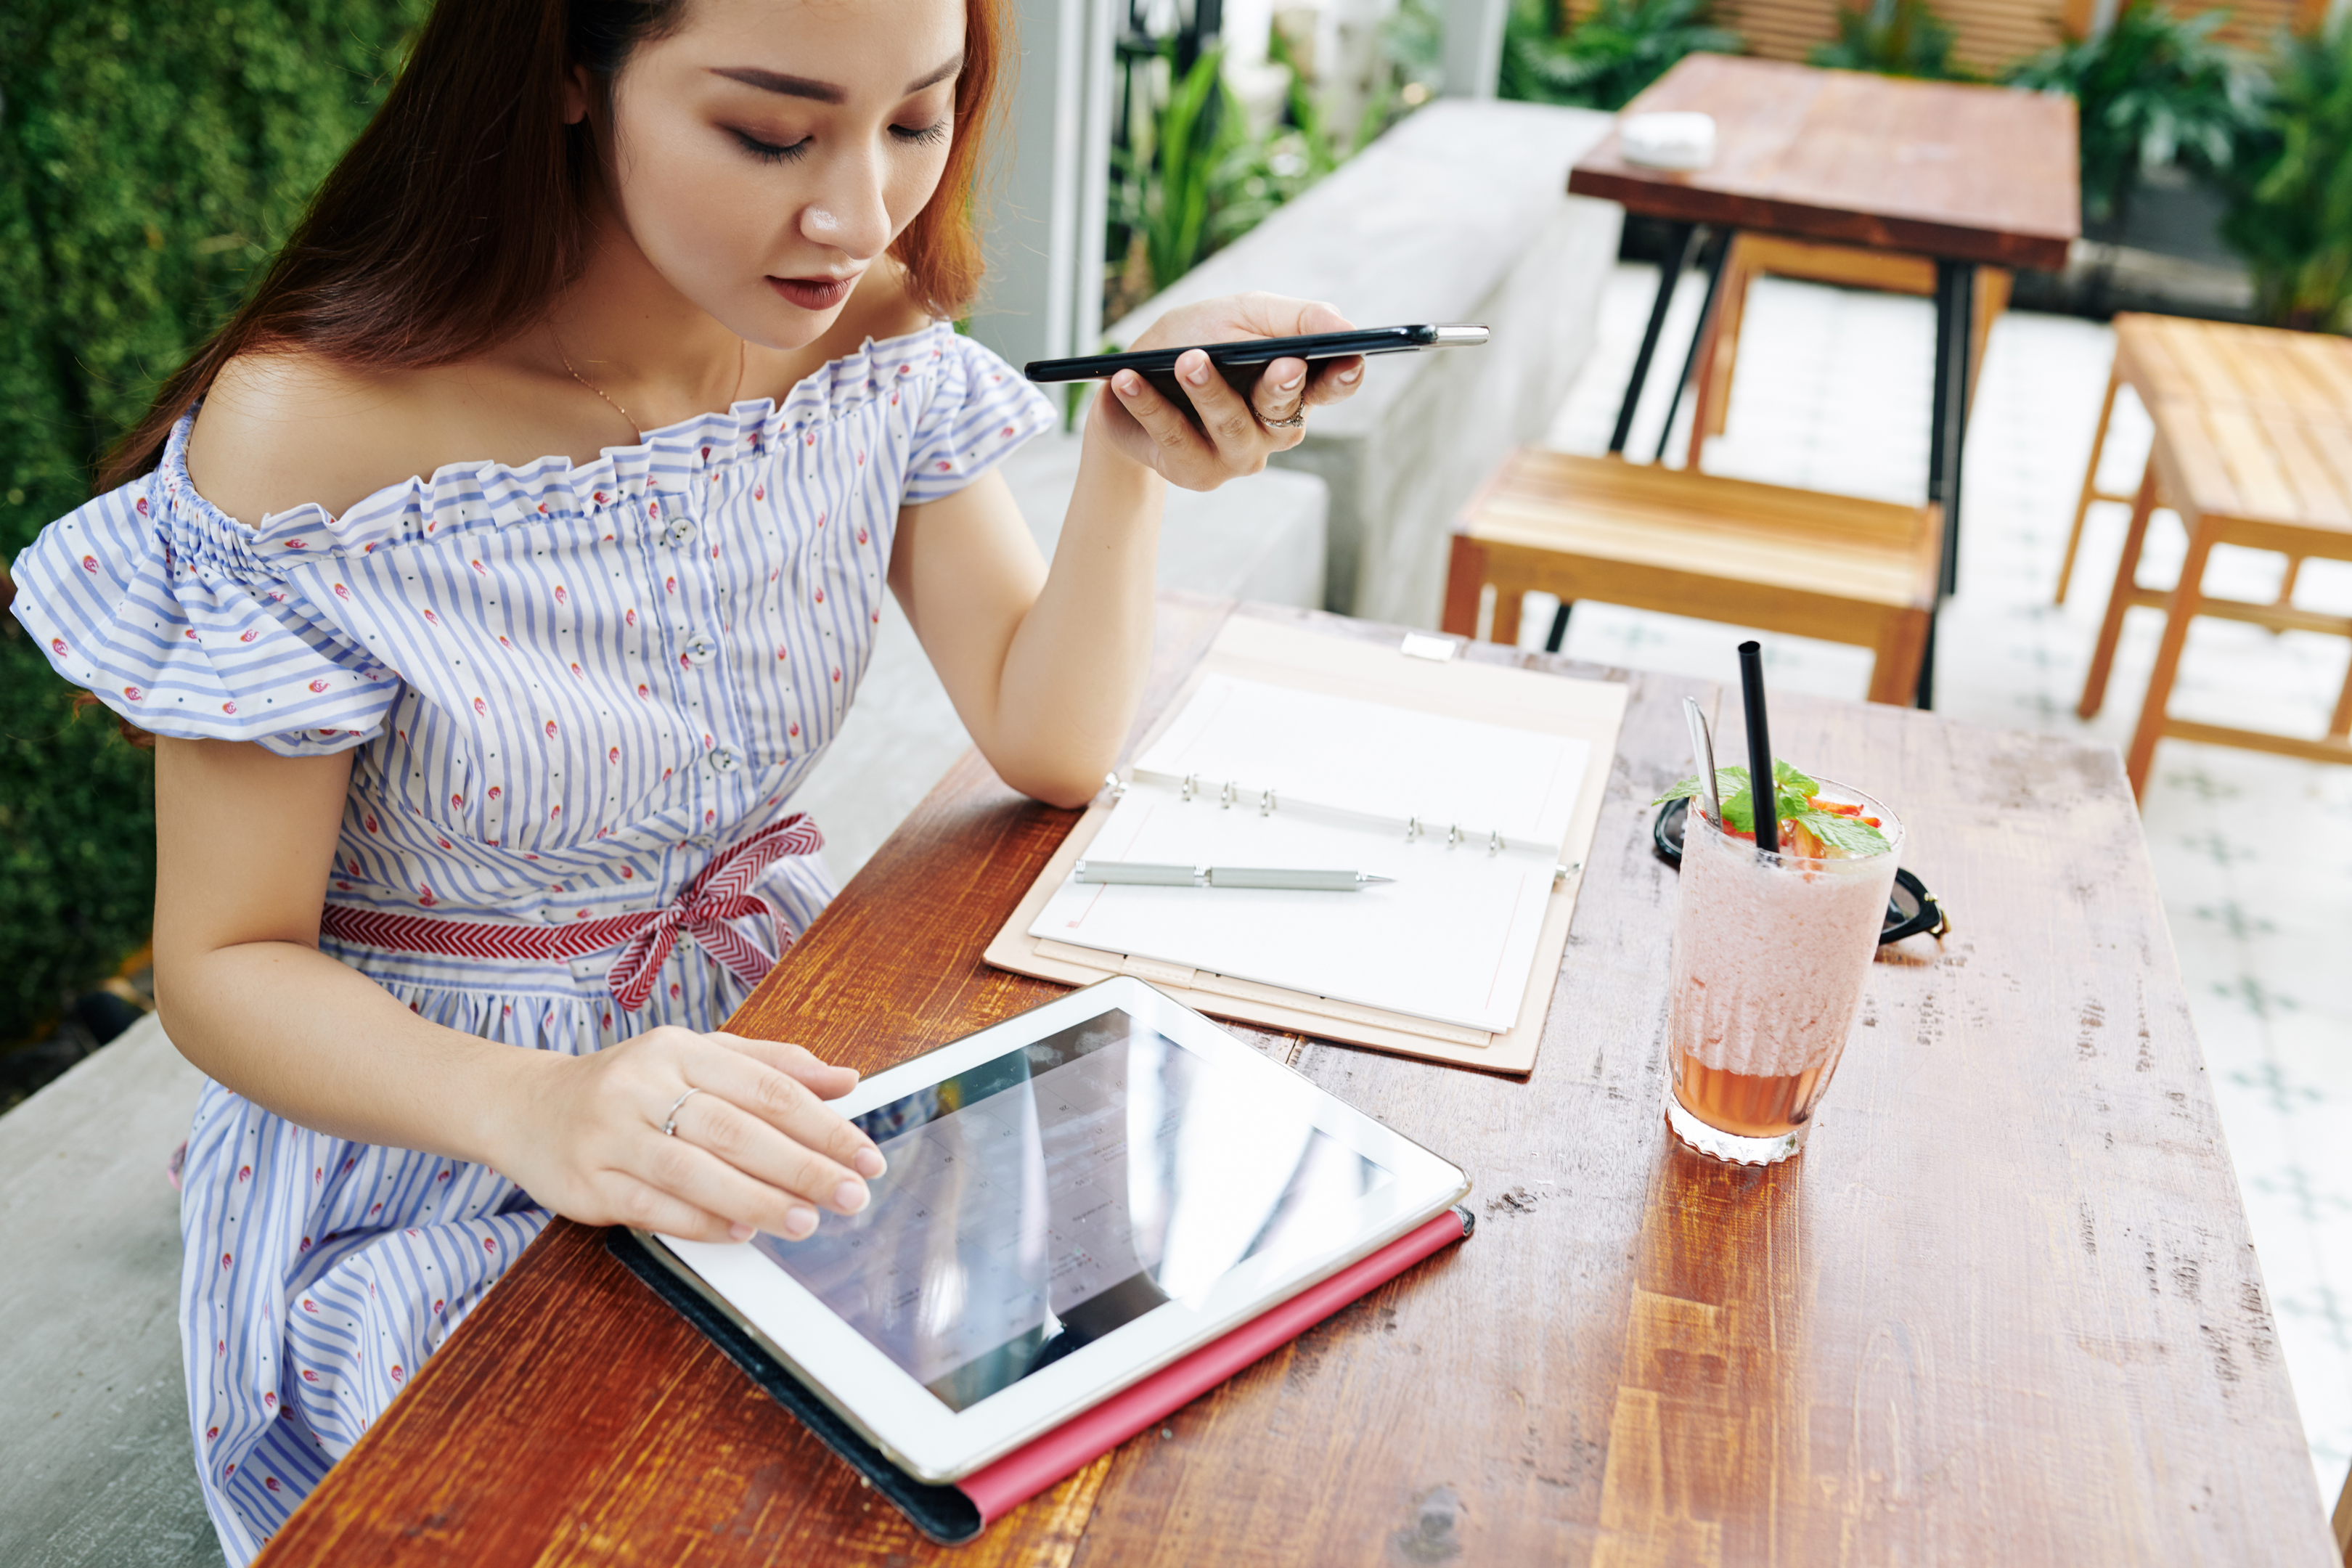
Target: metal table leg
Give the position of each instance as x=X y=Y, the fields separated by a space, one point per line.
x=1682 y=239
x=1721 y=239
x=1679 y=250
x=1948 y=429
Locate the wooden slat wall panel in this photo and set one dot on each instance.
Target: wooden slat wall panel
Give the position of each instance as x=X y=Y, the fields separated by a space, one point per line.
x=1992 y=35
x=1781 y=29
x=2256 y=24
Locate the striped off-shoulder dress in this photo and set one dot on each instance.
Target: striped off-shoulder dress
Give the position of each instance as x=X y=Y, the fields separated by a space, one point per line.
x=581 y=700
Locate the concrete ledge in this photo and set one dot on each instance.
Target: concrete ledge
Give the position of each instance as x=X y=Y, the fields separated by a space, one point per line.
x=1260 y=538
x=1459 y=214
x=95 y=1465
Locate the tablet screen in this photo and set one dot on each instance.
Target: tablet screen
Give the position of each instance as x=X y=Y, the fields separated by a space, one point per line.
x=1038 y=1201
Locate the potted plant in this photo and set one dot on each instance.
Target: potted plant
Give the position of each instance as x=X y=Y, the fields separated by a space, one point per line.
x=2154 y=89
x=2290 y=183
x=1892 y=37
x=1619 y=49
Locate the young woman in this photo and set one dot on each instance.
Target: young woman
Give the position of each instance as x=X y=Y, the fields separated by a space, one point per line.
x=492 y=580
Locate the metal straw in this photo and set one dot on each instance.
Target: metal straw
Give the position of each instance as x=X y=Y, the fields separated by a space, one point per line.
x=1763 y=797
x=1703 y=753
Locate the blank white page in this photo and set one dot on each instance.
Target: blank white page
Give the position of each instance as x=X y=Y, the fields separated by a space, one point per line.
x=1391 y=762
x=1452 y=939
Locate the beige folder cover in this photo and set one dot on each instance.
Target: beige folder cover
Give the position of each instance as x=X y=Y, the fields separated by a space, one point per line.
x=1380 y=672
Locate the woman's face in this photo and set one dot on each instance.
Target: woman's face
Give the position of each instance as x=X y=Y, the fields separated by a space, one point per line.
x=766 y=154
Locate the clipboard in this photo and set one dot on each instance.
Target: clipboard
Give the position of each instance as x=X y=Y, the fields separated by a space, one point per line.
x=1251 y=649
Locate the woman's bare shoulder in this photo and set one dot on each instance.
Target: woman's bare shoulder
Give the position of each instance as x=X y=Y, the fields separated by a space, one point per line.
x=281 y=429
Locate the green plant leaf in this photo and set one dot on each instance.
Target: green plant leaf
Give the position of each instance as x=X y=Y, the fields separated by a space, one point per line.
x=1893 y=37
x=152 y=156
x=2154 y=89
x=2290 y=183
x=1792 y=793
x=1617 y=49
x=1849 y=834
x=1726 y=781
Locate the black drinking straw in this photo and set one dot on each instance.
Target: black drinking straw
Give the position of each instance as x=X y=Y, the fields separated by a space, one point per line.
x=1763 y=797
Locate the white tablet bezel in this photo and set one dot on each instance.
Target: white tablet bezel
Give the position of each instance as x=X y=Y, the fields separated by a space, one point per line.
x=939 y=1445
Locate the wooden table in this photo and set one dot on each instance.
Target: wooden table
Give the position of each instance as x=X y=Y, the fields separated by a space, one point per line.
x=2253 y=446
x=2004 y=1309
x=1961 y=174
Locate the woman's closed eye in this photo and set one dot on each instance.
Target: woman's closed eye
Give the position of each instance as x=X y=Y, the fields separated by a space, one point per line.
x=770 y=153
x=776 y=152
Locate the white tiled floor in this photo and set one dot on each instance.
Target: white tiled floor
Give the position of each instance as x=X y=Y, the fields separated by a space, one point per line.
x=2252 y=853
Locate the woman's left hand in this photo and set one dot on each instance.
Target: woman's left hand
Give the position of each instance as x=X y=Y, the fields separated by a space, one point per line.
x=1236 y=431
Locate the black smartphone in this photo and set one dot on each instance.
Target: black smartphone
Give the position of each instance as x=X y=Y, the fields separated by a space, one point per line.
x=1243 y=361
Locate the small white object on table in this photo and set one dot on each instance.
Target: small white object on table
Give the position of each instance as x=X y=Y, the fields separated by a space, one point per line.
x=1681 y=138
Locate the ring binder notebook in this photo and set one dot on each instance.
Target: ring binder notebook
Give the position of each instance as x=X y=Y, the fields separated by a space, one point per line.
x=1475 y=786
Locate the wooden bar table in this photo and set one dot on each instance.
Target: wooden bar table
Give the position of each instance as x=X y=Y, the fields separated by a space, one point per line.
x=1962 y=174
x=2004 y=1309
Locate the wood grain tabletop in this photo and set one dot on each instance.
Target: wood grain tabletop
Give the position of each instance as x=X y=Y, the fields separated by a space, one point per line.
x=2004 y=1309
x=2267 y=370
x=2253 y=425
x=1941 y=169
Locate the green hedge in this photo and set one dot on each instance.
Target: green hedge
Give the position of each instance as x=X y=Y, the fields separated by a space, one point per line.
x=152 y=154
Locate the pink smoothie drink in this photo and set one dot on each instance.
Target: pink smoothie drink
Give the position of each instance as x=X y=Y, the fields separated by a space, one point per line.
x=1771 y=951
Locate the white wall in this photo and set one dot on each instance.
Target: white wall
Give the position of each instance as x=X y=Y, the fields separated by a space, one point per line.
x=1045 y=193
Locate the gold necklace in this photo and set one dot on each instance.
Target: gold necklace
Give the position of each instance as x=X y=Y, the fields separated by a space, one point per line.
x=743 y=352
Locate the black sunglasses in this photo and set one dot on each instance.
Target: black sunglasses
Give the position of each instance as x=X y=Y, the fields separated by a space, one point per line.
x=1910 y=909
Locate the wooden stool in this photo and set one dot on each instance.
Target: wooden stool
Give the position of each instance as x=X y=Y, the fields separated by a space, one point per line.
x=1760 y=255
x=2268 y=478
x=2212 y=362
x=2090 y=490
x=1792 y=561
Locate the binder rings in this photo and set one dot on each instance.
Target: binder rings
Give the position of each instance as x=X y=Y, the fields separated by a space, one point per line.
x=953 y=1515
x=1477 y=785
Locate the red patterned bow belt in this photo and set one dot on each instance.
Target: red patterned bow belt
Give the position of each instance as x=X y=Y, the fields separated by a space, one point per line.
x=718 y=894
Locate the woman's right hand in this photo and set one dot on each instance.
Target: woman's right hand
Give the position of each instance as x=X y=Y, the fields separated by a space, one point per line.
x=755 y=1149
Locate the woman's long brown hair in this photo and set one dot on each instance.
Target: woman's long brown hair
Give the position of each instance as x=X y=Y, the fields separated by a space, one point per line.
x=466 y=203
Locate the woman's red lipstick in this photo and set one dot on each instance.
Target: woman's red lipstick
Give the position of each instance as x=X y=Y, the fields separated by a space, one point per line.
x=813 y=293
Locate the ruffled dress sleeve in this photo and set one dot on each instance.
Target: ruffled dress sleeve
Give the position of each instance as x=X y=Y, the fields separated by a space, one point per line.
x=978 y=412
x=161 y=605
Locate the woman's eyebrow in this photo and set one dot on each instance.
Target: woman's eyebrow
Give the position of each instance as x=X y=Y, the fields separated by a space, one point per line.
x=776 y=82
x=821 y=91
x=940 y=75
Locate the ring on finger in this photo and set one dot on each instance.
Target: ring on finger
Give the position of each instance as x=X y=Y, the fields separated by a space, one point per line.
x=669 y=1122
x=1297 y=419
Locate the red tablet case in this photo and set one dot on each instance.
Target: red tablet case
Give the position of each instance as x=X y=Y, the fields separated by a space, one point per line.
x=1026 y=1471
x=958 y=1513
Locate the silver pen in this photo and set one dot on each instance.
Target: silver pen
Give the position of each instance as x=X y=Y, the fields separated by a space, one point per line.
x=1143 y=873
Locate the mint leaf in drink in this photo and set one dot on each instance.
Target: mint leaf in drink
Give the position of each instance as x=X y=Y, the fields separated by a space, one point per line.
x=1850 y=835
x=1730 y=789
x=1792 y=802
x=1726 y=781
x=1740 y=809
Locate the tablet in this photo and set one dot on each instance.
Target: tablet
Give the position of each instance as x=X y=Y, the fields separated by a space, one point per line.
x=1076 y=1197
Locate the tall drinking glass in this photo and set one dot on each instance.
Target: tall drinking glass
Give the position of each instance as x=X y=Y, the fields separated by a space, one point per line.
x=1771 y=951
